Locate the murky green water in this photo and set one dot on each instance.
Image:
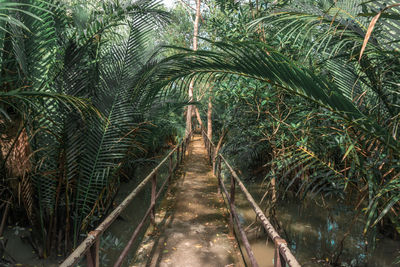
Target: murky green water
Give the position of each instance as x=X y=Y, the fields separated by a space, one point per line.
x=332 y=234
x=318 y=235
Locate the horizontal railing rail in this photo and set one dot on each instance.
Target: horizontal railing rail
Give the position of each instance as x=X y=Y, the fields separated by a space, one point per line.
x=91 y=245
x=283 y=256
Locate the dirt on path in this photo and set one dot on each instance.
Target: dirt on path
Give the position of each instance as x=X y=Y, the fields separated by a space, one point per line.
x=192 y=221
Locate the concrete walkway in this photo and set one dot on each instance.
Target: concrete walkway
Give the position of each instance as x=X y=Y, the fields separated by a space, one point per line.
x=192 y=221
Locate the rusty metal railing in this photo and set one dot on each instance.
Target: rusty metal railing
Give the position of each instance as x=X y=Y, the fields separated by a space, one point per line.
x=283 y=256
x=91 y=245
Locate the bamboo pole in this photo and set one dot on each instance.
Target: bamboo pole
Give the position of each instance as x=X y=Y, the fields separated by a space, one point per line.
x=153 y=199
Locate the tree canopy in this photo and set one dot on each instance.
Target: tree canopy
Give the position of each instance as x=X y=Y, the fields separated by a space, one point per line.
x=304 y=96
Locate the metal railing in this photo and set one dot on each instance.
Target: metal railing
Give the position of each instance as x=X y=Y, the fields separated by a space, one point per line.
x=283 y=256
x=91 y=245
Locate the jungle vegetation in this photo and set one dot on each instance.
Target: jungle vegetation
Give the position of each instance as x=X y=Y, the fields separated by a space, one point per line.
x=305 y=96
x=72 y=121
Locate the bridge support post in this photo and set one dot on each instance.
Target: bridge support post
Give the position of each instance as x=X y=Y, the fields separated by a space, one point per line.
x=92 y=255
x=214 y=159
x=219 y=169
x=279 y=260
x=232 y=201
x=183 y=151
x=153 y=199
x=210 y=153
x=177 y=156
x=170 y=168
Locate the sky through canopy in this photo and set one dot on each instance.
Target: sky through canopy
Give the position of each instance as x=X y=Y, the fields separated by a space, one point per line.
x=168 y=3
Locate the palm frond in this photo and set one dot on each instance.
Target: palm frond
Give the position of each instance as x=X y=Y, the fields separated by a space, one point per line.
x=263 y=63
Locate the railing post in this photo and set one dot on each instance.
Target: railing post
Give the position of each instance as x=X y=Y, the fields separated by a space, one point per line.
x=279 y=260
x=153 y=198
x=219 y=174
x=211 y=154
x=89 y=259
x=92 y=255
x=170 y=168
x=183 y=151
x=232 y=200
x=214 y=156
x=177 y=155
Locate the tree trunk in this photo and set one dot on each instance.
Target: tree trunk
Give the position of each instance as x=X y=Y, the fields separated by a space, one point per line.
x=190 y=93
x=198 y=117
x=221 y=139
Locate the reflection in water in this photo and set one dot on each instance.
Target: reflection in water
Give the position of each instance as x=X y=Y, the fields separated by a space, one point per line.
x=332 y=234
x=318 y=236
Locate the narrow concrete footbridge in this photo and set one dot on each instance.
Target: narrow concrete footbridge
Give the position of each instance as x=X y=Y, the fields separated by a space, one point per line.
x=195 y=224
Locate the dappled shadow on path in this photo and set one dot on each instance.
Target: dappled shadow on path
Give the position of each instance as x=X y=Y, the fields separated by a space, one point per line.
x=192 y=227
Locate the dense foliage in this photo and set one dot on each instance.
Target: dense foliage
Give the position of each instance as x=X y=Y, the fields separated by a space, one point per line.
x=298 y=101
x=72 y=119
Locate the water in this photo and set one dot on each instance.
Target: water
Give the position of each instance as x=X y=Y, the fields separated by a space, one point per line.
x=319 y=233
x=332 y=233
x=16 y=241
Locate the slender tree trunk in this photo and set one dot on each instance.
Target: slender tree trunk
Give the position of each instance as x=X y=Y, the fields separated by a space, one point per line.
x=198 y=117
x=190 y=93
x=273 y=190
x=221 y=139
